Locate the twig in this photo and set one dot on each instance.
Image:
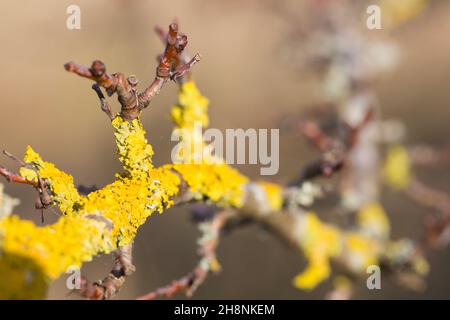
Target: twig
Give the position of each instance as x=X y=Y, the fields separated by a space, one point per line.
x=104 y=104
x=315 y=134
x=13 y=157
x=429 y=197
x=14 y=177
x=96 y=72
x=171 y=67
x=334 y=158
x=108 y=287
x=428 y=156
x=208 y=245
x=436 y=227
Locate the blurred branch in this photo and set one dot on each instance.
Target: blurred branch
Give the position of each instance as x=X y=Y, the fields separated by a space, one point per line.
x=335 y=151
x=429 y=156
x=208 y=263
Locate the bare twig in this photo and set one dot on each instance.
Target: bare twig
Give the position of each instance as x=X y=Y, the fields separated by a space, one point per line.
x=429 y=197
x=96 y=72
x=108 y=287
x=428 y=156
x=436 y=227
x=13 y=157
x=315 y=134
x=208 y=245
x=171 y=67
x=104 y=104
x=335 y=150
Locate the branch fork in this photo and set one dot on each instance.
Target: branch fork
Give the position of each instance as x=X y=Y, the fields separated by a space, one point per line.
x=172 y=66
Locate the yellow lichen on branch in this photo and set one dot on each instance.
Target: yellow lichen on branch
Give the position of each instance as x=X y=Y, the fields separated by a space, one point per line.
x=216 y=182
x=93 y=224
x=320 y=242
x=107 y=218
x=357 y=249
x=207 y=176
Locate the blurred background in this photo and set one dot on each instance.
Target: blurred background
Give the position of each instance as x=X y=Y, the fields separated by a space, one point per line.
x=249 y=86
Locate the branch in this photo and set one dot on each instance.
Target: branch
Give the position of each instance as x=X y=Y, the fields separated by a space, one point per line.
x=335 y=151
x=103 y=103
x=208 y=262
x=429 y=156
x=184 y=55
x=436 y=227
x=96 y=72
x=110 y=286
x=14 y=177
x=315 y=134
x=171 y=67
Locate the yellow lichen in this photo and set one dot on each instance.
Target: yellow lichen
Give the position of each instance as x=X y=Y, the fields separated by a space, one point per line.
x=207 y=178
x=21 y=278
x=322 y=242
x=190 y=115
x=360 y=251
x=68 y=242
x=373 y=220
x=318 y=269
x=134 y=151
x=397 y=168
x=65 y=195
x=216 y=182
x=403 y=250
x=319 y=242
x=110 y=217
x=92 y=224
x=395 y=12
x=273 y=194
x=191 y=107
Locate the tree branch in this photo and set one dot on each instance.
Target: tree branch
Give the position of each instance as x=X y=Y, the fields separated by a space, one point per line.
x=170 y=67
x=335 y=150
x=14 y=177
x=110 y=286
x=208 y=262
